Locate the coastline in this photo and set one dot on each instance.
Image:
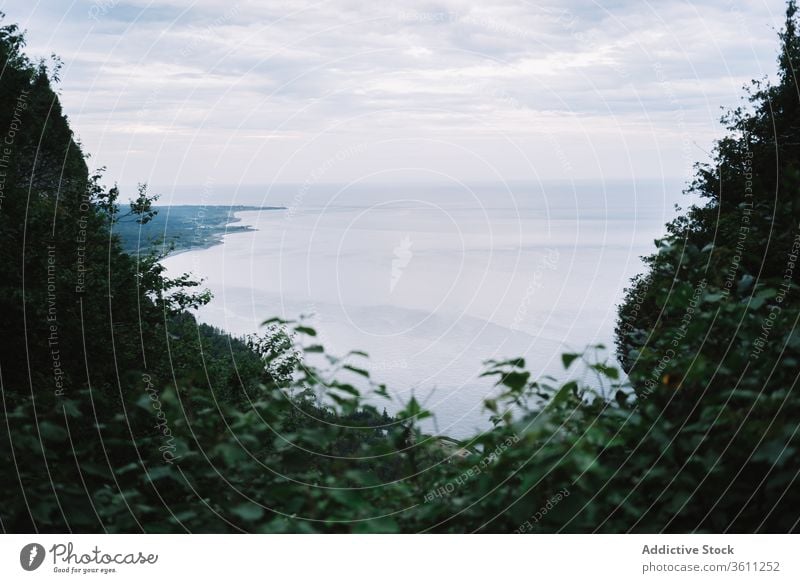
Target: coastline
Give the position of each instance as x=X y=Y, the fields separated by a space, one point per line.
x=186 y=227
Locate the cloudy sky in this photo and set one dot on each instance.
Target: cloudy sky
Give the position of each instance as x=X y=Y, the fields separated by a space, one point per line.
x=253 y=92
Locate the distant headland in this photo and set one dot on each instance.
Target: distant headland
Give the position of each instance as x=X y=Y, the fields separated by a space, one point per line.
x=185 y=227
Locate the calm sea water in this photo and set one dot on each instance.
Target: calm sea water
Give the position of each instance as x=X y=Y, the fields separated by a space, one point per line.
x=433 y=281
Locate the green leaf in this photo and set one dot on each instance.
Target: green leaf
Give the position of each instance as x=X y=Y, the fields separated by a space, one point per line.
x=761 y=297
x=350 y=389
x=515 y=381
x=71 y=408
x=51 y=431
x=606 y=371
x=568 y=358
x=97 y=470
x=563 y=393
x=775 y=453
x=413 y=410
x=160 y=472
x=713 y=297
x=248 y=511
x=512 y=362
x=355 y=369
x=491 y=405
x=306 y=330
x=745 y=283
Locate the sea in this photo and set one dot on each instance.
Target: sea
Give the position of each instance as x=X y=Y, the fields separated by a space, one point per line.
x=433 y=281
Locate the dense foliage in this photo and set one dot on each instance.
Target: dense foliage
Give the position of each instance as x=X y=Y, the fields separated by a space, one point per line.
x=123 y=414
x=709 y=332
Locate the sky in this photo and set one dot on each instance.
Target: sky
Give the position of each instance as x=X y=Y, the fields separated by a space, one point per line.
x=245 y=92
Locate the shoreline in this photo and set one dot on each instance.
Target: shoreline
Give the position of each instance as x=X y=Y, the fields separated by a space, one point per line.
x=187 y=227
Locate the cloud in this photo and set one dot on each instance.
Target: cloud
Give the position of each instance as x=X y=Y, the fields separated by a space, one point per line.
x=252 y=92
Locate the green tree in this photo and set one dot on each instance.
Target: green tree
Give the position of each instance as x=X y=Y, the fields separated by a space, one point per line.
x=709 y=332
